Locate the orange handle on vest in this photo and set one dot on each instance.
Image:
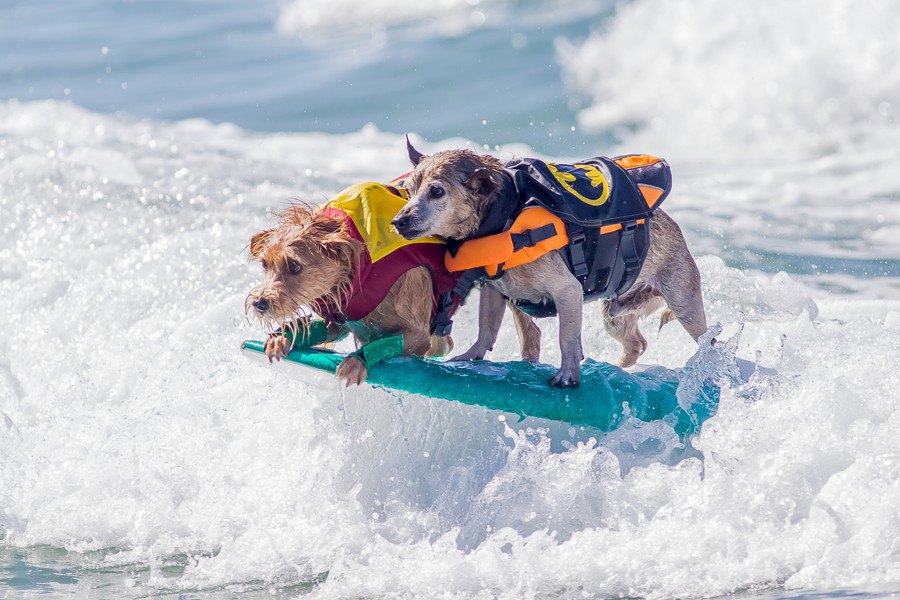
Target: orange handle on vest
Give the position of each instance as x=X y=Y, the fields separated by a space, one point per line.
x=495 y=250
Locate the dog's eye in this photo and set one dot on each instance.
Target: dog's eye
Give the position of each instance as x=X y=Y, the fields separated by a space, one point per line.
x=294 y=267
x=436 y=191
x=265 y=265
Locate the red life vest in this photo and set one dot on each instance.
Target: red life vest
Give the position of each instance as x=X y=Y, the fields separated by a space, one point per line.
x=368 y=209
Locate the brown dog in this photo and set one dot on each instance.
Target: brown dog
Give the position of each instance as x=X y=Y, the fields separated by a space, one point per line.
x=309 y=260
x=452 y=191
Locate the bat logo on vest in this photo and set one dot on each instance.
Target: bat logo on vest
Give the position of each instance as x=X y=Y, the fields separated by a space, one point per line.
x=585 y=177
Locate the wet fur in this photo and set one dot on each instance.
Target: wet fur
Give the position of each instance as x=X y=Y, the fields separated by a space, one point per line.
x=471 y=183
x=328 y=255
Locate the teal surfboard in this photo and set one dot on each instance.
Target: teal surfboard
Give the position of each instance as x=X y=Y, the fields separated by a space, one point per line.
x=607 y=396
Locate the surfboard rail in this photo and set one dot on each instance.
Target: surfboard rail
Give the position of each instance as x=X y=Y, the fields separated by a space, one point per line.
x=608 y=395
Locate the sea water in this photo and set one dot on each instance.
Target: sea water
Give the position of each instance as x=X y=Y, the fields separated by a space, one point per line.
x=141 y=144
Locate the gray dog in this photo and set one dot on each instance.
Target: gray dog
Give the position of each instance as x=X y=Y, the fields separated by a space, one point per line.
x=452 y=193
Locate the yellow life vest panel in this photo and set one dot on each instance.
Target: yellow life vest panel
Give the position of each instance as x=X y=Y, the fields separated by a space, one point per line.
x=372 y=206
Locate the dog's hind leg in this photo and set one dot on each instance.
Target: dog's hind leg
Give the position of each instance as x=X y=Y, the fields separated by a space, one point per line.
x=643 y=300
x=407 y=309
x=491 y=306
x=624 y=329
x=440 y=346
x=681 y=290
x=621 y=320
x=529 y=335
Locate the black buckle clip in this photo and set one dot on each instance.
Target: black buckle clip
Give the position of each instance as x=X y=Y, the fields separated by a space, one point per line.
x=576 y=252
x=532 y=237
x=629 y=250
x=443 y=324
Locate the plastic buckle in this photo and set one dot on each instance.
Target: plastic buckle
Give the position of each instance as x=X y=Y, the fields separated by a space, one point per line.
x=443 y=324
x=632 y=262
x=576 y=252
x=629 y=250
x=442 y=328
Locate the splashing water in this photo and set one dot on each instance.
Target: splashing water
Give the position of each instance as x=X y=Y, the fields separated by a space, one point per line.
x=140 y=453
x=133 y=431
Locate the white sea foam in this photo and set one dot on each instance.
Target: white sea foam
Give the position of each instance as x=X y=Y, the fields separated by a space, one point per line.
x=778 y=79
x=779 y=120
x=130 y=421
x=319 y=20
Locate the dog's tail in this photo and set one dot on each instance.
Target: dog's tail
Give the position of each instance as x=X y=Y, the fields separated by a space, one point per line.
x=440 y=346
x=666 y=316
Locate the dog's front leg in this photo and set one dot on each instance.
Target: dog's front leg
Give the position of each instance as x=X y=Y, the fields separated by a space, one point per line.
x=354 y=369
x=491 y=307
x=569 y=299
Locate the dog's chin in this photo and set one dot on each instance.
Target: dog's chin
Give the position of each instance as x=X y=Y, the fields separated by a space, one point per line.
x=411 y=233
x=271 y=320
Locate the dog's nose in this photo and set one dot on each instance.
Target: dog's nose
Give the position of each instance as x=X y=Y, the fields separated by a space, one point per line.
x=262 y=305
x=401 y=222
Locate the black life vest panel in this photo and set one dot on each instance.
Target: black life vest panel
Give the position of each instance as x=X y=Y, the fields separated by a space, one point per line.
x=605 y=205
x=607 y=221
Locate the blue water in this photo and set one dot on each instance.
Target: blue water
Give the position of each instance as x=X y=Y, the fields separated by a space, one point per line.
x=224 y=61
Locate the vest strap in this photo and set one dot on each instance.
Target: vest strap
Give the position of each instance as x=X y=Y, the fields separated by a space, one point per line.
x=442 y=323
x=532 y=237
x=630 y=256
x=576 y=250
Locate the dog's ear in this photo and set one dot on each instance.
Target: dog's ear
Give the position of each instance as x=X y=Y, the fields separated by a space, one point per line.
x=415 y=157
x=332 y=234
x=258 y=242
x=481 y=182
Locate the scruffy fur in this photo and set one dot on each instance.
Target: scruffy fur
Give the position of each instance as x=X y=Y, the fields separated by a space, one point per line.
x=309 y=258
x=450 y=192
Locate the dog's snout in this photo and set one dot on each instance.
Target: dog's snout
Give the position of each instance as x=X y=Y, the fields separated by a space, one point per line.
x=261 y=304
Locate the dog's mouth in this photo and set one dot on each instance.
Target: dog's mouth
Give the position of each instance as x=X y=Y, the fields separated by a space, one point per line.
x=412 y=234
x=410 y=230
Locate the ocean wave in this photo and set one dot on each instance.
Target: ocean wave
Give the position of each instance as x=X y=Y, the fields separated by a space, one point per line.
x=134 y=432
x=317 y=20
x=774 y=79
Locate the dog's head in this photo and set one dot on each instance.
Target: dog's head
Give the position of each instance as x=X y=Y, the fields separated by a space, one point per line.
x=308 y=257
x=449 y=193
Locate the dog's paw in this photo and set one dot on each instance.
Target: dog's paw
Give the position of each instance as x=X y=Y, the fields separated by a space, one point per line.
x=352 y=371
x=468 y=355
x=276 y=347
x=628 y=359
x=566 y=378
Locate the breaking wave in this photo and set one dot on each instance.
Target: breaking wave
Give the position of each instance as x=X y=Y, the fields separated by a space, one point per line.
x=776 y=80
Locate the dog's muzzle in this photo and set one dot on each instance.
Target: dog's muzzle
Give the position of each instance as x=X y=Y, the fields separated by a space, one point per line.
x=405 y=226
